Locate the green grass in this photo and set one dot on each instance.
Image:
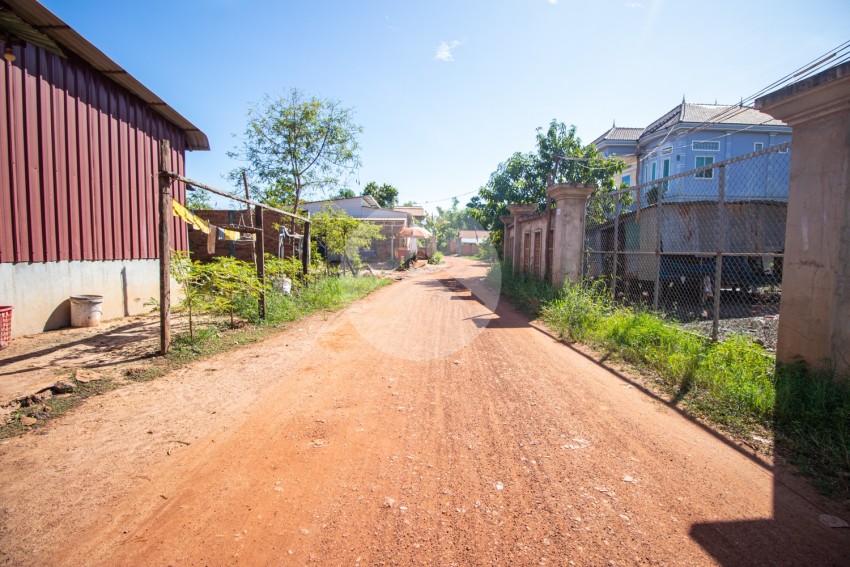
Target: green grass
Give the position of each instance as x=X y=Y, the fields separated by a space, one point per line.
x=527 y=293
x=325 y=294
x=734 y=384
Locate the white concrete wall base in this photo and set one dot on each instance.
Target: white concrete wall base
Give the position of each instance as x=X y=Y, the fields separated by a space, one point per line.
x=40 y=293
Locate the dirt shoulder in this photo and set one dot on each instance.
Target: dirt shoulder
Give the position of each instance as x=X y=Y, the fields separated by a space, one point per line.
x=418 y=426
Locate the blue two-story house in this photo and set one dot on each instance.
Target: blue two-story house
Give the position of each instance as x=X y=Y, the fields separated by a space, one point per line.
x=691 y=136
x=671 y=161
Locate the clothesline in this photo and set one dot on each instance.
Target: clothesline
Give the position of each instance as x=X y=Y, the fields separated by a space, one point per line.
x=212 y=231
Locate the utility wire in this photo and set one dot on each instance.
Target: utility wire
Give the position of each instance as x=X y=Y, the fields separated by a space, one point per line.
x=841 y=53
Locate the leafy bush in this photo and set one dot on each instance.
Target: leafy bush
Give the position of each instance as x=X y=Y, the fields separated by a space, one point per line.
x=289 y=268
x=436 y=258
x=230 y=282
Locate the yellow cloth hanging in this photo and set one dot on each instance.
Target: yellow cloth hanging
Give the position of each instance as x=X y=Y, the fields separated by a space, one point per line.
x=193 y=219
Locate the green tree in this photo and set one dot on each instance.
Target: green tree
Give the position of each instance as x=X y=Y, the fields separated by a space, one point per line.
x=342 y=234
x=523 y=178
x=516 y=180
x=198 y=200
x=446 y=224
x=192 y=278
x=296 y=144
x=386 y=195
x=344 y=193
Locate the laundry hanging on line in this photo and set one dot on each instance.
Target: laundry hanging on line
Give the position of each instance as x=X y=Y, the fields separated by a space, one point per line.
x=207 y=228
x=191 y=218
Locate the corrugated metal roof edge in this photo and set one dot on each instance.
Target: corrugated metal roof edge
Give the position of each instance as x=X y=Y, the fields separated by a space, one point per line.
x=52 y=26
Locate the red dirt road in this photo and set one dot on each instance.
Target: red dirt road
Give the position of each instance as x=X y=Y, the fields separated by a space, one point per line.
x=416 y=427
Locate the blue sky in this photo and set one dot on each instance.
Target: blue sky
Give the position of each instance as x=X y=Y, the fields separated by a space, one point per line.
x=445 y=90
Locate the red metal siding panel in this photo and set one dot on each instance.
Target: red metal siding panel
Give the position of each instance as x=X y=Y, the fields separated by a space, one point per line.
x=87 y=119
x=120 y=202
x=143 y=180
x=128 y=174
x=79 y=162
x=45 y=165
x=7 y=249
x=98 y=140
x=73 y=164
x=33 y=196
x=18 y=164
x=60 y=161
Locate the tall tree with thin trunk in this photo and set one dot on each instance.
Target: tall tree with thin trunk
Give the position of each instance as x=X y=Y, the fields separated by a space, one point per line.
x=294 y=146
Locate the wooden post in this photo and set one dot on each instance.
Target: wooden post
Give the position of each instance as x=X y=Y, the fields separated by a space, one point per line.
x=248 y=212
x=164 y=247
x=259 y=252
x=305 y=247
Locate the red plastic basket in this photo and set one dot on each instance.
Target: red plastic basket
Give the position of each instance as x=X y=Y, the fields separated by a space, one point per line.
x=5 y=326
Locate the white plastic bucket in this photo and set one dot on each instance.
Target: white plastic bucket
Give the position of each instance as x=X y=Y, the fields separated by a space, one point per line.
x=283 y=285
x=86 y=310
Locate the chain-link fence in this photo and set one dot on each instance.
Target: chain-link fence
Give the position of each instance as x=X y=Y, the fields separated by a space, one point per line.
x=703 y=246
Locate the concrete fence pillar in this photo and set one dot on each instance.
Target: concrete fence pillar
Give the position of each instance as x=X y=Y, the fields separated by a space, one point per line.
x=814 y=315
x=568 y=244
x=519 y=213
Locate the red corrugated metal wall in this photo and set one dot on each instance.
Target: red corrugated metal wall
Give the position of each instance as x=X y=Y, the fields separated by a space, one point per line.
x=78 y=162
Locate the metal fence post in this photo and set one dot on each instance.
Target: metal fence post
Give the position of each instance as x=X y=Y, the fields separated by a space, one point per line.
x=722 y=228
x=659 y=216
x=616 y=245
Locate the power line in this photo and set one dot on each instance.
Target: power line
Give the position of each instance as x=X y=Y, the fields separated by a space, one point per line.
x=841 y=53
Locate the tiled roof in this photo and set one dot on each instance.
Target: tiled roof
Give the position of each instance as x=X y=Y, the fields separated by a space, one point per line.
x=620 y=134
x=712 y=114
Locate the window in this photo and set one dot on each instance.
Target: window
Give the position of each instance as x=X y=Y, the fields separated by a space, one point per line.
x=627 y=179
x=653 y=171
x=665 y=171
x=758 y=146
x=703 y=161
x=706 y=146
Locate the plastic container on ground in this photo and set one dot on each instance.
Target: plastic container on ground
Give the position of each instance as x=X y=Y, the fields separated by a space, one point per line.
x=283 y=285
x=86 y=310
x=5 y=325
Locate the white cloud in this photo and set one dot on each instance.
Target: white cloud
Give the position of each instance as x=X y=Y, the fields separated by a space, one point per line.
x=445 y=50
x=553 y=1
x=634 y=5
